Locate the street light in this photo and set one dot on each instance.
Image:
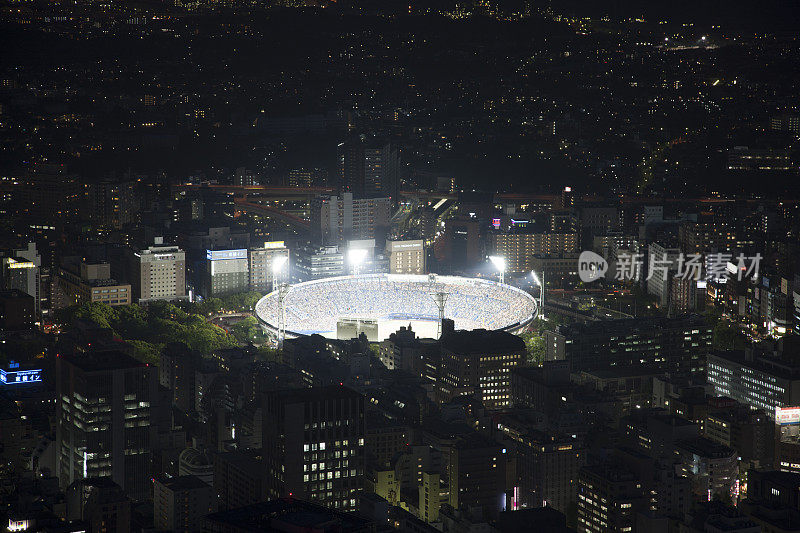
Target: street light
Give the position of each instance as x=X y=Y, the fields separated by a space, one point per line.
x=540 y=283
x=500 y=264
x=356 y=256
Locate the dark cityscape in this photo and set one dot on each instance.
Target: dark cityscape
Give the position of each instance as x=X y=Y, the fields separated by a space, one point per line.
x=419 y=266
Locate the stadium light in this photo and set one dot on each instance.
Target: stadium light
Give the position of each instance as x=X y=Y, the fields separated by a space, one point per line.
x=356 y=256
x=278 y=262
x=500 y=264
x=540 y=283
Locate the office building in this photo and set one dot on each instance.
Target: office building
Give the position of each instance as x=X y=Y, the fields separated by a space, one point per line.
x=104 y=405
x=238 y=479
x=460 y=245
x=262 y=272
x=226 y=272
x=49 y=195
x=406 y=257
x=477 y=472
x=337 y=219
x=519 y=246
x=479 y=362
x=83 y=282
x=763 y=378
x=368 y=169
x=662 y=264
x=100 y=503
x=609 y=496
x=158 y=273
x=313 y=445
x=180 y=503
x=548 y=466
x=318 y=262
x=17 y=310
x=677 y=345
x=112 y=205
x=21 y=270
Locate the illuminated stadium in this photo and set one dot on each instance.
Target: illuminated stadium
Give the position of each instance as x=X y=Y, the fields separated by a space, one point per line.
x=378 y=304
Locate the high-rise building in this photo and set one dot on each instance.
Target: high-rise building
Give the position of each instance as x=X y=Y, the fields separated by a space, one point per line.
x=368 y=170
x=318 y=262
x=100 y=504
x=112 y=204
x=158 y=273
x=226 y=272
x=548 y=467
x=338 y=219
x=519 y=246
x=662 y=263
x=479 y=362
x=477 y=470
x=406 y=257
x=17 y=310
x=238 y=479
x=677 y=345
x=104 y=405
x=262 y=259
x=180 y=503
x=759 y=377
x=21 y=270
x=313 y=445
x=609 y=496
x=50 y=196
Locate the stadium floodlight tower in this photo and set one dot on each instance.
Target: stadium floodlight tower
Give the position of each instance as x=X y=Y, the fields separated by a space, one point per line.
x=278 y=262
x=283 y=290
x=500 y=264
x=540 y=283
x=356 y=257
x=440 y=298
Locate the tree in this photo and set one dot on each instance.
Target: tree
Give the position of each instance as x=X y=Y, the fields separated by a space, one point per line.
x=728 y=336
x=535 y=347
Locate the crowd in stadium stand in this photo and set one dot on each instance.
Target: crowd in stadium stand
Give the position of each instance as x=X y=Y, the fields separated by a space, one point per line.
x=472 y=303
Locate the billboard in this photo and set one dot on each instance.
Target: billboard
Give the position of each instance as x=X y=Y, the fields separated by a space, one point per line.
x=219 y=255
x=20 y=377
x=787 y=415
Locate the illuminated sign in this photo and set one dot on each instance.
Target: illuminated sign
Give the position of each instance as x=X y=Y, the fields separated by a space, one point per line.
x=275 y=244
x=220 y=255
x=20 y=377
x=787 y=415
x=496 y=223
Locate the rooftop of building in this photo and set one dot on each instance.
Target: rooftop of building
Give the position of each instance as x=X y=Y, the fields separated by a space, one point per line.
x=482 y=341
x=704 y=447
x=316 y=393
x=102 y=360
x=631 y=326
x=288 y=514
x=183 y=483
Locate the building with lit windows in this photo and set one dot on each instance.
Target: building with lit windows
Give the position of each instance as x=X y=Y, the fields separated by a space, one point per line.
x=518 y=246
x=609 y=497
x=479 y=362
x=103 y=415
x=477 y=470
x=761 y=378
x=83 y=282
x=226 y=272
x=180 y=503
x=406 y=257
x=262 y=259
x=158 y=273
x=313 y=445
x=678 y=345
x=338 y=219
